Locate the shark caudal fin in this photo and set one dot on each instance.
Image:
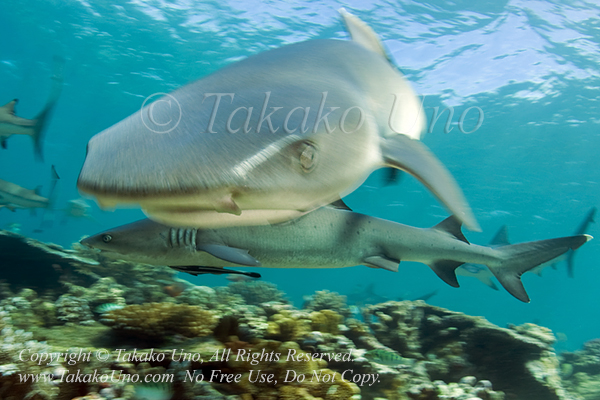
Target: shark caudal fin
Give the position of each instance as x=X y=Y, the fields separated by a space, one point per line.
x=516 y=259
x=41 y=121
x=581 y=229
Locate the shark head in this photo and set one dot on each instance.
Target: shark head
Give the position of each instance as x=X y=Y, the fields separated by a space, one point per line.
x=269 y=138
x=142 y=241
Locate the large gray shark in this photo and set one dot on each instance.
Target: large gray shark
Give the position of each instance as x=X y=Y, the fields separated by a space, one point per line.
x=327 y=238
x=269 y=138
x=11 y=124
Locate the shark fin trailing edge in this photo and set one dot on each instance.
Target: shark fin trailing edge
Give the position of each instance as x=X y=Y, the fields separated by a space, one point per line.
x=445 y=269
x=402 y=152
x=452 y=226
x=520 y=258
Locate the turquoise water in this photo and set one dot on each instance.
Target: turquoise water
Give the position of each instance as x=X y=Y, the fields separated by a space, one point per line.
x=530 y=66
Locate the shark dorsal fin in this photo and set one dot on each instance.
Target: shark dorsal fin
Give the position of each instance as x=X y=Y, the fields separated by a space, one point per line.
x=340 y=205
x=452 y=226
x=10 y=106
x=501 y=237
x=38 y=190
x=362 y=33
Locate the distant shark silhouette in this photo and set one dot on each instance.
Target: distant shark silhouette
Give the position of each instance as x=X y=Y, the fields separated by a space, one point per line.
x=11 y=124
x=367 y=295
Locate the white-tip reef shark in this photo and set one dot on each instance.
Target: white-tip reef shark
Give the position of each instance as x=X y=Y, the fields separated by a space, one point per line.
x=11 y=124
x=269 y=138
x=13 y=196
x=501 y=239
x=327 y=238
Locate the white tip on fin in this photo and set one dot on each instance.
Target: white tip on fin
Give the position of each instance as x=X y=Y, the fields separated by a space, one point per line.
x=362 y=33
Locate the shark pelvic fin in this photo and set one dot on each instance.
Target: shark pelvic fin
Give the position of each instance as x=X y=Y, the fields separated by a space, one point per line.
x=445 y=269
x=382 y=262
x=229 y=254
x=452 y=226
x=4 y=145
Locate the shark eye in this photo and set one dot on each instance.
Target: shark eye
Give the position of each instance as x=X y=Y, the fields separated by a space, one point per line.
x=308 y=156
x=106 y=238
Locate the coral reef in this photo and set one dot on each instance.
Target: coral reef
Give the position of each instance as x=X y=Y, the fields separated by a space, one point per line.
x=257 y=292
x=326 y=300
x=581 y=370
x=70 y=309
x=158 y=321
x=457 y=345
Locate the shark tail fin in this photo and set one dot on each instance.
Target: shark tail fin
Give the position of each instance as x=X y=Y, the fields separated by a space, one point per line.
x=589 y=218
x=516 y=259
x=41 y=121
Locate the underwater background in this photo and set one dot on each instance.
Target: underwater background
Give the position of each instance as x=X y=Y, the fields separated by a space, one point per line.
x=532 y=67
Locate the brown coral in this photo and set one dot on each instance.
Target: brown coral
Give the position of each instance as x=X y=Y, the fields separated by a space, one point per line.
x=159 y=320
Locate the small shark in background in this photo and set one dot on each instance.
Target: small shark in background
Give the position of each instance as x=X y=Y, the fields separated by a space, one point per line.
x=14 y=197
x=11 y=124
x=328 y=238
x=363 y=296
x=77 y=208
x=501 y=239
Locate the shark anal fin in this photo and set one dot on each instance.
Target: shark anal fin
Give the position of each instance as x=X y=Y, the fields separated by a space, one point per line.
x=445 y=269
x=381 y=262
x=452 y=226
x=229 y=254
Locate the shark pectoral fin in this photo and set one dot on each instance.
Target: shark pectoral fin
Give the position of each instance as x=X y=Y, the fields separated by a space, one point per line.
x=516 y=259
x=229 y=254
x=198 y=270
x=381 y=262
x=452 y=226
x=400 y=151
x=362 y=33
x=445 y=269
x=4 y=144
